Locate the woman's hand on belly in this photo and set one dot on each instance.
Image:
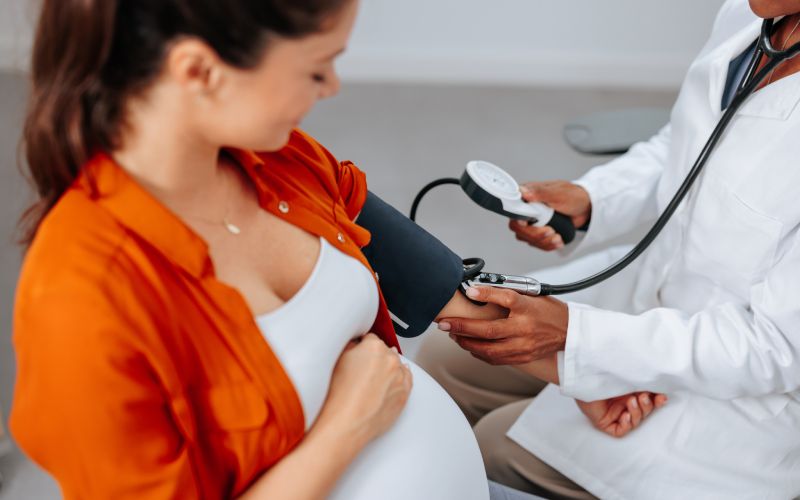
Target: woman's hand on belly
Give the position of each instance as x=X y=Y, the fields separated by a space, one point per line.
x=369 y=389
x=618 y=416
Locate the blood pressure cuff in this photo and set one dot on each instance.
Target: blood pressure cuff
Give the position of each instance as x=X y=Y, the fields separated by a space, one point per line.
x=417 y=273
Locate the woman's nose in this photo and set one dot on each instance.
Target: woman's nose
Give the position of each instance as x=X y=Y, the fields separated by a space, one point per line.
x=332 y=86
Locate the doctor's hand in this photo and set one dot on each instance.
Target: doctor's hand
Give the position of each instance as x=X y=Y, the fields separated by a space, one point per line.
x=536 y=327
x=619 y=416
x=565 y=197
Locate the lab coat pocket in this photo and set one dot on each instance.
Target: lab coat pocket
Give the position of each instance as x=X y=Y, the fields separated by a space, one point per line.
x=763 y=408
x=729 y=242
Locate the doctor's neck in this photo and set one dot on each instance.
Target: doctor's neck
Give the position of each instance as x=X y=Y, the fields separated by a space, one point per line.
x=769 y=9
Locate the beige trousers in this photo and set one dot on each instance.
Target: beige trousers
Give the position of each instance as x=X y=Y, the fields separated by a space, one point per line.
x=492 y=397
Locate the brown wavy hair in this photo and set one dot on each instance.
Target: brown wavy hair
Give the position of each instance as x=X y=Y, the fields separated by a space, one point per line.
x=89 y=56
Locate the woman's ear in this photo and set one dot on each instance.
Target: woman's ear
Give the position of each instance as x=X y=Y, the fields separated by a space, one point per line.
x=195 y=66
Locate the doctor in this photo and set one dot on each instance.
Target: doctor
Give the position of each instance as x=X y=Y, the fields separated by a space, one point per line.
x=709 y=315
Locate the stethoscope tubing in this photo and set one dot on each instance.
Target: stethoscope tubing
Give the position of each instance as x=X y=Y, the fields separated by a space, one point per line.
x=750 y=83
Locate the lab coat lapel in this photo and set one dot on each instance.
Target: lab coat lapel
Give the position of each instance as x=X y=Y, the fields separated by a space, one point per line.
x=720 y=59
x=776 y=101
x=700 y=101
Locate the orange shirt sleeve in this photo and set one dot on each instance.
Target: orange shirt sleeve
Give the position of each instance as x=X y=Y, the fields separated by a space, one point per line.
x=353 y=186
x=352 y=182
x=89 y=408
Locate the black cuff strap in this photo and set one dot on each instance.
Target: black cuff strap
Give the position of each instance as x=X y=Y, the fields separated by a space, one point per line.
x=418 y=274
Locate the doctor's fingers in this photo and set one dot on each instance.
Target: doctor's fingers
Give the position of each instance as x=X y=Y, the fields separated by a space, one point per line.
x=621 y=427
x=507 y=299
x=565 y=197
x=635 y=410
x=482 y=329
x=630 y=419
x=493 y=352
x=552 y=193
x=645 y=403
x=544 y=238
x=612 y=415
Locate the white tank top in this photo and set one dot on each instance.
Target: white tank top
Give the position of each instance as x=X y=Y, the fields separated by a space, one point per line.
x=339 y=302
x=430 y=452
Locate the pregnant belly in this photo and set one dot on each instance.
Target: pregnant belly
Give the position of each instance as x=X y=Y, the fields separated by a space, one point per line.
x=430 y=453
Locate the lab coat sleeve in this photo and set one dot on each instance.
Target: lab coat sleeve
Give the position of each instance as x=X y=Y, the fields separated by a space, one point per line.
x=623 y=191
x=725 y=352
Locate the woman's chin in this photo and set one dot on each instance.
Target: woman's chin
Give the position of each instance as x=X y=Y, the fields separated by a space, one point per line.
x=275 y=142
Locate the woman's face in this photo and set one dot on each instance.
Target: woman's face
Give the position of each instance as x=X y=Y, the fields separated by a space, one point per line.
x=257 y=108
x=774 y=8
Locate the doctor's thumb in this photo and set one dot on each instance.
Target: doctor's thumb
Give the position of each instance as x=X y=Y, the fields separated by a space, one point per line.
x=529 y=192
x=565 y=197
x=542 y=192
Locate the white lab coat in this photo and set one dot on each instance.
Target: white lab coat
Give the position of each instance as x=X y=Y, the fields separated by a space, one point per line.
x=709 y=315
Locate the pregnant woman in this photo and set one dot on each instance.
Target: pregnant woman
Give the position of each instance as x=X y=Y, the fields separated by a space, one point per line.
x=193 y=319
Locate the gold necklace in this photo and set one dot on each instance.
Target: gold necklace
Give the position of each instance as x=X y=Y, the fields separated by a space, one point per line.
x=232 y=228
x=783 y=47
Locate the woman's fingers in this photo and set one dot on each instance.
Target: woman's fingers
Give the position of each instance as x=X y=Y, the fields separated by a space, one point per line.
x=660 y=400
x=408 y=379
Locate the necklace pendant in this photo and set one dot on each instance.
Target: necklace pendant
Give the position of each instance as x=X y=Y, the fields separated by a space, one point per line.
x=232 y=228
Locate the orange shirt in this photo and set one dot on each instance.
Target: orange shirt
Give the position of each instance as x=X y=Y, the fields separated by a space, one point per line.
x=140 y=375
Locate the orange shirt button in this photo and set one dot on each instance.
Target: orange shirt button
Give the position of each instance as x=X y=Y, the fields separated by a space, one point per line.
x=283 y=207
x=340 y=237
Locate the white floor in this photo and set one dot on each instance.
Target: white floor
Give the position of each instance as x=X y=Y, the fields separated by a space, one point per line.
x=403 y=137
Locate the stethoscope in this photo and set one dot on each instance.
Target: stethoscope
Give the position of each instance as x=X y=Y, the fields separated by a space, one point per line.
x=494 y=189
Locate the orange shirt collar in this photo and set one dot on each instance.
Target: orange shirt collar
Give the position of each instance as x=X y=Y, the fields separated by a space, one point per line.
x=140 y=212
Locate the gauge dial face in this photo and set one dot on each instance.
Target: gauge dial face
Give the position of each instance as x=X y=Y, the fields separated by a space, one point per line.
x=494 y=180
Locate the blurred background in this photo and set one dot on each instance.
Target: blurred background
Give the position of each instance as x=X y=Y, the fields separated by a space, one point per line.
x=428 y=86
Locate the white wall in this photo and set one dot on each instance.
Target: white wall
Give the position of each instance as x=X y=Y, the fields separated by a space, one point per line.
x=629 y=43
x=636 y=43
x=17 y=19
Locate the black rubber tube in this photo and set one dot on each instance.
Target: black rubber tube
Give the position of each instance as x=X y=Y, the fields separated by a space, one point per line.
x=694 y=173
x=439 y=182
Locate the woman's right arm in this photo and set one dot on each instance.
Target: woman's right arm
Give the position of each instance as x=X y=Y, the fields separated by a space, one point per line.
x=369 y=389
x=90 y=410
